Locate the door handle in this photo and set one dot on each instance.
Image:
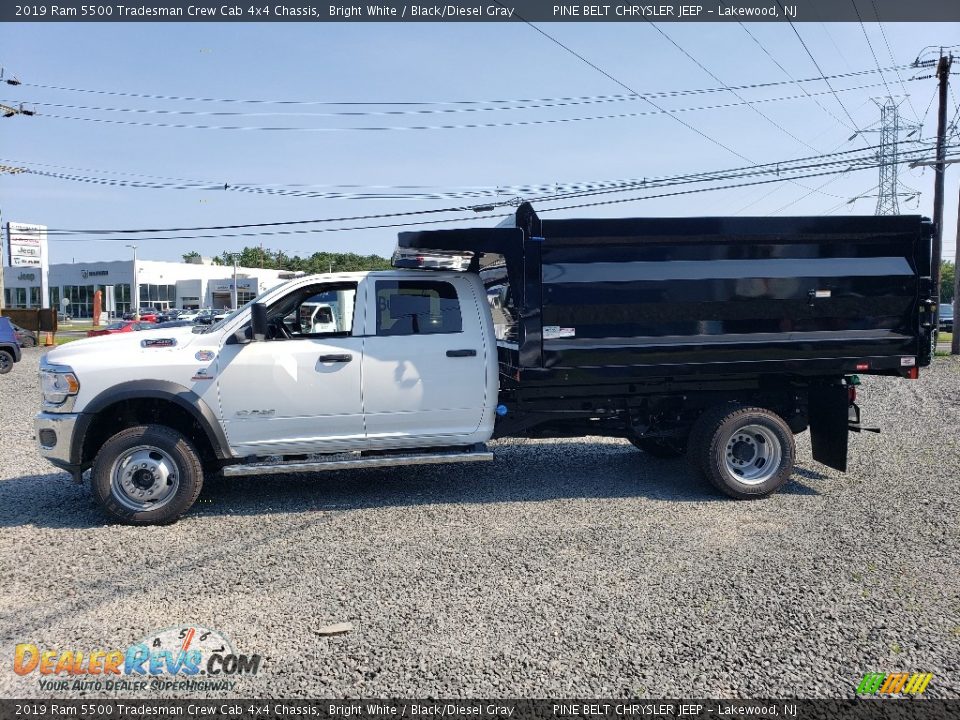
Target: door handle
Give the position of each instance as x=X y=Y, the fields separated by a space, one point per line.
x=461 y=353
x=334 y=358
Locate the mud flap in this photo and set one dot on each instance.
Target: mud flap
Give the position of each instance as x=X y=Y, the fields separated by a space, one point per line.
x=828 y=425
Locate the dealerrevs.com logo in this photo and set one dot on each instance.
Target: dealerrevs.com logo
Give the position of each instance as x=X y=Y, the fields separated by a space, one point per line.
x=177 y=658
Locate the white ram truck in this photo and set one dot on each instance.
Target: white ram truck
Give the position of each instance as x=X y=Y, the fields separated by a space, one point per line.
x=406 y=379
x=721 y=338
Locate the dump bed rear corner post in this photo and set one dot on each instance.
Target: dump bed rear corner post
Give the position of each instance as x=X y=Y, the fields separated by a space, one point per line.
x=531 y=320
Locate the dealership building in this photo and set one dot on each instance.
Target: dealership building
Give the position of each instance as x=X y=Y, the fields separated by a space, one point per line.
x=160 y=285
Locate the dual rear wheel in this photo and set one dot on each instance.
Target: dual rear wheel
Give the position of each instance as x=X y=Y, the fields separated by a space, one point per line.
x=744 y=452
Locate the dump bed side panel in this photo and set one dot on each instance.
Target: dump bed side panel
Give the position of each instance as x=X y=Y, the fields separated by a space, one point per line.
x=722 y=291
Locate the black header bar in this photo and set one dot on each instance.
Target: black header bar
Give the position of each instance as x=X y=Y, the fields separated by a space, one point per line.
x=479 y=11
x=472 y=709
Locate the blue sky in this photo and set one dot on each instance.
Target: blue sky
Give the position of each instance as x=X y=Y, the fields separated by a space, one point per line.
x=377 y=63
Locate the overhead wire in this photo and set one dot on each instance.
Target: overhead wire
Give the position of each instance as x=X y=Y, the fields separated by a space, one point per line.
x=786 y=72
x=127 y=233
x=670 y=112
x=735 y=93
x=886 y=42
x=866 y=37
x=820 y=70
x=577 y=189
x=622 y=84
x=467 y=103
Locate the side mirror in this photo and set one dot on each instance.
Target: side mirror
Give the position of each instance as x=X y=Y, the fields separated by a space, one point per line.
x=258 y=321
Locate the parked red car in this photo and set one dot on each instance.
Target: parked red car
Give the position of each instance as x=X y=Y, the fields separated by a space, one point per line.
x=122 y=326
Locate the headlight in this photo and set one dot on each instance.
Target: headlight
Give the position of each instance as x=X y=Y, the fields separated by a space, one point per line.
x=58 y=386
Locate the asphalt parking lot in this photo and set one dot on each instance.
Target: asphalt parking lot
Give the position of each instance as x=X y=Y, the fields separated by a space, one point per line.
x=563 y=569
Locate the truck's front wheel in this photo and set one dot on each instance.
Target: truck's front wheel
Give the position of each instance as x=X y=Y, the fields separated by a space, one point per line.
x=147 y=475
x=745 y=452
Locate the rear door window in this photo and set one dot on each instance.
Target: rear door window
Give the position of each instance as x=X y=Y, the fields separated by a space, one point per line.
x=417 y=307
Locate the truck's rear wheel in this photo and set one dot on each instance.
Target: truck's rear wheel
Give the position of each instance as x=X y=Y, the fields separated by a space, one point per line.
x=147 y=475
x=745 y=452
x=659 y=447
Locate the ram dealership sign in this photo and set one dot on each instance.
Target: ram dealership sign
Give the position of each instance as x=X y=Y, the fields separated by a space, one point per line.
x=27 y=248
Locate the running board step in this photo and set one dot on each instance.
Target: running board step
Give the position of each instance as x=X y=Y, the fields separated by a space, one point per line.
x=375 y=461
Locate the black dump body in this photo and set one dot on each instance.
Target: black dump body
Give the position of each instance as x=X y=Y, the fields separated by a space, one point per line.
x=637 y=327
x=608 y=300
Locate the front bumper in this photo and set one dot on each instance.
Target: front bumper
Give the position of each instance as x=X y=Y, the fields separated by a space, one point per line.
x=54 y=434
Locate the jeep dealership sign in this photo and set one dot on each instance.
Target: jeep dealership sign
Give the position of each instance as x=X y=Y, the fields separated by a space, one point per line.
x=27 y=248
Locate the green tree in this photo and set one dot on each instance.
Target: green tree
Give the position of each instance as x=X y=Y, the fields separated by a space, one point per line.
x=192 y=255
x=947 y=273
x=319 y=262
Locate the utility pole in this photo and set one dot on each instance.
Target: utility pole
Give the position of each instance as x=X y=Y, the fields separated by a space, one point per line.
x=943 y=76
x=955 y=340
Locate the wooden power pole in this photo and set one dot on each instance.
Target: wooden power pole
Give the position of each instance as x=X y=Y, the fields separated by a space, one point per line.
x=943 y=76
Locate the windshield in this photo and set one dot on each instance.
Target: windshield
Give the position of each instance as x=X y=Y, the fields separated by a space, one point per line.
x=202 y=329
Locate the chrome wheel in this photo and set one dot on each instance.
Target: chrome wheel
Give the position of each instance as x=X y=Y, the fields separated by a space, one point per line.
x=752 y=454
x=144 y=478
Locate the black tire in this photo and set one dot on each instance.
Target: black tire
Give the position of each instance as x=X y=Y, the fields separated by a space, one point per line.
x=745 y=452
x=6 y=362
x=30 y=341
x=175 y=472
x=664 y=448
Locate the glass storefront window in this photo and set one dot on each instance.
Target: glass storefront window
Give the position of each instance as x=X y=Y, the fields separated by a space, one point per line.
x=121 y=297
x=81 y=300
x=34 y=297
x=162 y=296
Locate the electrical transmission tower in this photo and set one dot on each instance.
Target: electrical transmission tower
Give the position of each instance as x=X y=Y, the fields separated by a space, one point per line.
x=889 y=191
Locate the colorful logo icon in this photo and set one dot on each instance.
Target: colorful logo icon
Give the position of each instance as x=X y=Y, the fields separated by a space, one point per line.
x=894 y=683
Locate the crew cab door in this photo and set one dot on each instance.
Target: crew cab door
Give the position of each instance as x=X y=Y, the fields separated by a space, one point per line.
x=424 y=361
x=299 y=391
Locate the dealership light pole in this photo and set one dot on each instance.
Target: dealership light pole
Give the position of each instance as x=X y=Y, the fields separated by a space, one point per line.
x=135 y=300
x=233 y=287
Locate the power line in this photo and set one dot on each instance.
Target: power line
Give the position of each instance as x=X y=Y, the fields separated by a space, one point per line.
x=786 y=72
x=694 y=190
x=702 y=177
x=820 y=70
x=462 y=219
x=804 y=197
x=311 y=231
x=886 y=42
x=475 y=192
x=671 y=112
x=740 y=97
x=426 y=103
x=778 y=168
x=869 y=44
x=430 y=222
x=625 y=86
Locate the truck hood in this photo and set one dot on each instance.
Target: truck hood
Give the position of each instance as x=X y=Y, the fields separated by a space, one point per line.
x=115 y=349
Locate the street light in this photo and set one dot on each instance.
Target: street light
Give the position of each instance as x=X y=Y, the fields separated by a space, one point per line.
x=135 y=300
